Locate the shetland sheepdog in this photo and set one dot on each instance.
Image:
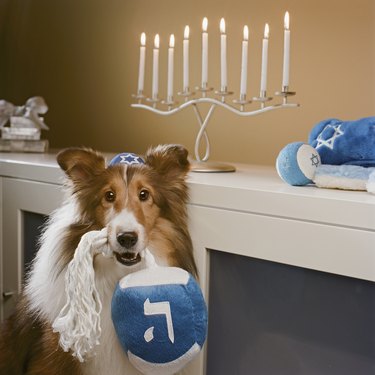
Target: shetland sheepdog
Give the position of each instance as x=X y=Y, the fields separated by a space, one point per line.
x=140 y=205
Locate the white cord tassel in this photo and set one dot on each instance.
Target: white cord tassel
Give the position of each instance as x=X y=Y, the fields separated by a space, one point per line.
x=79 y=320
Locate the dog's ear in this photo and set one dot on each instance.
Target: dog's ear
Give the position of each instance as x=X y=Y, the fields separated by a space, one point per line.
x=169 y=160
x=80 y=164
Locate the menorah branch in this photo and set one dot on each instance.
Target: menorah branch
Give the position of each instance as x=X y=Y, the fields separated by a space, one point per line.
x=171 y=111
x=203 y=122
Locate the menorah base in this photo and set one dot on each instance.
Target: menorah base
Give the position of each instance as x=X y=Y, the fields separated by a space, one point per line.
x=211 y=167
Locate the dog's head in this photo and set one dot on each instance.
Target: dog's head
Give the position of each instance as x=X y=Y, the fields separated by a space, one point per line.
x=141 y=204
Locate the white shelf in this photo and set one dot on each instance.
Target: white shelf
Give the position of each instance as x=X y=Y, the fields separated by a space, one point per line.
x=332 y=221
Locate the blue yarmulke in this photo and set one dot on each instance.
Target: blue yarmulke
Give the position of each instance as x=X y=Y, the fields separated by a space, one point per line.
x=127 y=158
x=297 y=163
x=345 y=142
x=160 y=318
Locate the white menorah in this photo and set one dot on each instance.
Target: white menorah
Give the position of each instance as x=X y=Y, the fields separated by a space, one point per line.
x=170 y=106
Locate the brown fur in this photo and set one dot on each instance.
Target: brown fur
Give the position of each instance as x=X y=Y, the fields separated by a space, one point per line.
x=28 y=347
x=27 y=344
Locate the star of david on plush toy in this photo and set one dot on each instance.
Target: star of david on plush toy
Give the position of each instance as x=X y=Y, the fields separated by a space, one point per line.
x=159 y=313
x=339 y=154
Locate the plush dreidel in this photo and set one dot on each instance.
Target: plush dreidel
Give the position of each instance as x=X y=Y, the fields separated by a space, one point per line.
x=159 y=313
x=160 y=317
x=340 y=155
x=297 y=163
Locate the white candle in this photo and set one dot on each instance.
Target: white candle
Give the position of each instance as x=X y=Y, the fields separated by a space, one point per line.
x=142 y=57
x=204 y=52
x=263 y=77
x=223 y=55
x=185 y=83
x=155 y=68
x=244 y=61
x=170 y=67
x=286 y=51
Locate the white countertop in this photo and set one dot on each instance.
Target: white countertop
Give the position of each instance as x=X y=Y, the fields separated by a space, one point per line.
x=322 y=229
x=245 y=190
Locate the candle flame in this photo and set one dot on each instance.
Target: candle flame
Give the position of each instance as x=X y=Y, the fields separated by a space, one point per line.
x=143 y=39
x=266 y=31
x=171 y=41
x=186 y=32
x=157 y=41
x=222 y=26
x=245 y=33
x=204 y=24
x=286 y=21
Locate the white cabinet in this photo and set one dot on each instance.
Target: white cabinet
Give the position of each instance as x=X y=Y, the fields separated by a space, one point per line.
x=21 y=198
x=247 y=215
x=272 y=310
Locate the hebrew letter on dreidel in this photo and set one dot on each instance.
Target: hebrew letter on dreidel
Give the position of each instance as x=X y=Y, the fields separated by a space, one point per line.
x=159 y=308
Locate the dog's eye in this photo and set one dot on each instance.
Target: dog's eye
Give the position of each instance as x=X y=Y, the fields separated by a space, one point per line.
x=144 y=194
x=109 y=196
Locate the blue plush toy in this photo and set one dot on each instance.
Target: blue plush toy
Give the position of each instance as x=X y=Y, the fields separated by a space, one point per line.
x=340 y=154
x=345 y=142
x=297 y=163
x=160 y=318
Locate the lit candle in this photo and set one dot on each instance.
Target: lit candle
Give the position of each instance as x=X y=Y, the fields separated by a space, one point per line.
x=223 y=55
x=244 y=61
x=204 y=52
x=286 y=52
x=142 y=57
x=185 y=83
x=263 y=77
x=170 y=68
x=155 y=68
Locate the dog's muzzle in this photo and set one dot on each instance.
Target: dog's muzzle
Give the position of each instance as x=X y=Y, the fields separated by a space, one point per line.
x=127 y=241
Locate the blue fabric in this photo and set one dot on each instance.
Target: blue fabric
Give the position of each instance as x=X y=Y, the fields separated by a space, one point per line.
x=126 y=158
x=349 y=172
x=189 y=316
x=287 y=165
x=371 y=178
x=345 y=142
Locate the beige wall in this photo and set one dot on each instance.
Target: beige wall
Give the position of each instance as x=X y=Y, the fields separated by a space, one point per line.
x=82 y=56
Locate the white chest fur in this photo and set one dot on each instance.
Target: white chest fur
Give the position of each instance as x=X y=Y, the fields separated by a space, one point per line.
x=110 y=359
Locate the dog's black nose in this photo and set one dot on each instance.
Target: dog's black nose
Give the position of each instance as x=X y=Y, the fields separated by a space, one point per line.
x=127 y=239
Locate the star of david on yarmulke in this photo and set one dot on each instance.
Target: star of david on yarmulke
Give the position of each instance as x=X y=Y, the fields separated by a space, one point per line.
x=328 y=136
x=127 y=158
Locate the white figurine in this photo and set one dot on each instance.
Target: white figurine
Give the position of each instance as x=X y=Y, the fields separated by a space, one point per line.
x=25 y=121
x=6 y=110
x=28 y=115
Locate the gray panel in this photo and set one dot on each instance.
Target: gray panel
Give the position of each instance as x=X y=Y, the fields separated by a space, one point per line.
x=32 y=227
x=269 y=318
